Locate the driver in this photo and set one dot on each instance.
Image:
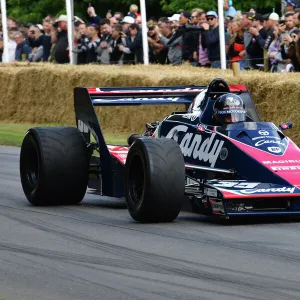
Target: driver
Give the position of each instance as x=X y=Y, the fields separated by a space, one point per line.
x=229 y=108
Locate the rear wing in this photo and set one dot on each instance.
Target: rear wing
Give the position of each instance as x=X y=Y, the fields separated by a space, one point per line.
x=148 y=95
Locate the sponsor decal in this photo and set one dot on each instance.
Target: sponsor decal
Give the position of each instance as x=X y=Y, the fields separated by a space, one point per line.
x=230 y=111
x=285 y=161
x=223 y=153
x=266 y=137
x=271 y=190
x=263 y=132
x=82 y=127
x=206 y=150
x=211 y=192
x=286 y=168
x=262 y=142
x=216 y=205
x=274 y=149
x=284 y=126
x=191 y=117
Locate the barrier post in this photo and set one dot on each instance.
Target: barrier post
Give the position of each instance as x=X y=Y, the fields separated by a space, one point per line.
x=266 y=61
x=236 y=68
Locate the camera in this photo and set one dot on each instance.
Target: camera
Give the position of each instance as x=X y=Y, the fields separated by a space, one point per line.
x=55 y=24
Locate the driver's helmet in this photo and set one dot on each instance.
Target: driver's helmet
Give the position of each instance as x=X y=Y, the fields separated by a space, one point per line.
x=229 y=108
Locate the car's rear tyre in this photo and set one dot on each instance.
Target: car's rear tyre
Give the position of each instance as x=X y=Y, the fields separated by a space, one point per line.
x=54 y=165
x=154 y=180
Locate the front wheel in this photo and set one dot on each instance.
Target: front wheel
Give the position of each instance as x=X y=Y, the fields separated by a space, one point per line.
x=154 y=180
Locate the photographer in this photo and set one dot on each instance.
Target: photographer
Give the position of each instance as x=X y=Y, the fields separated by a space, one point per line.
x=157 y=51
x=44 y=40
x=102 y=50
x=116 y=56
x=59 y=37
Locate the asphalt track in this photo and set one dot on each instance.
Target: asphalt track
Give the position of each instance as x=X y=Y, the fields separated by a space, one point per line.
x=96 y=251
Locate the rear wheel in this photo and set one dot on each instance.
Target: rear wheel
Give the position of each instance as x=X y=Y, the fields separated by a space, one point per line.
x=54 y=165
x=154 y=180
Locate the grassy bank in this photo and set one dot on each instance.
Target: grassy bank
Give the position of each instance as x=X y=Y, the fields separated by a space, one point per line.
x=13 y=134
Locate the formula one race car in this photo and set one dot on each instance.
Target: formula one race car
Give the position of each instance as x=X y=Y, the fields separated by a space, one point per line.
x=240 y=167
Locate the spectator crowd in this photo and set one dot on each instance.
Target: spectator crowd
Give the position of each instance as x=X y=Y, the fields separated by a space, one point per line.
x=189 y=37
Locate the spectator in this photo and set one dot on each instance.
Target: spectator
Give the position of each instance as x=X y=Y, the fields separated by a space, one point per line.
x=11 y=23
x=82 y=34
x=135 y=10
x=37 y=53
x=255 y=47
x=292 y=43
x=60 y=39
x=211 y=38
x=23 y=49
x=276 y=53
x=296 y=19
x=174 y=45
x=116 y=56
x=174 y=21
x=289 y=21
x=126 y=22
x=201 y=55
x=237 y=51
x=43 y=39
x=230 y=11
x=289 y=5
x=157 y=50
x=271 y=24
x=102 y=50
x=93 y=18
x=118 y=16
x=91 y=43
x=12 y=45
x=134 y=43
x=196 y=12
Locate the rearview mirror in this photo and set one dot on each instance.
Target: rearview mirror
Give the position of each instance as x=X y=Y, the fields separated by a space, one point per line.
x=286 y=125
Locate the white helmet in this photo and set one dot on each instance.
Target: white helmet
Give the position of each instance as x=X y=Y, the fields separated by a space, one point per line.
x=196 y=104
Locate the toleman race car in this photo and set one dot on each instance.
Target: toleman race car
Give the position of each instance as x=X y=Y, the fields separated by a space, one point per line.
x=240 y=168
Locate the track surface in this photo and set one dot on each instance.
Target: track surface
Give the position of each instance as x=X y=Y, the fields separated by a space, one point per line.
x=96 y=251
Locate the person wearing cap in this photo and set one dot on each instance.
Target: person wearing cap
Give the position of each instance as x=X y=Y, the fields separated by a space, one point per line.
x=174 y=46
x=59 y=37
x=211 y=38
x=255 y=47
x=272 y=22
x=230 y=11
x=126 y=22
x=290 y=5
x=174 y=20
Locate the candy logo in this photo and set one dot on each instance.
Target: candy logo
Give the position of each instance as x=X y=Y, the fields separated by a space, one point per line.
x=192 y=145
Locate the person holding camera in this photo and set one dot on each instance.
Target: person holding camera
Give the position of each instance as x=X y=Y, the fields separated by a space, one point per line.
x=59 y=37
x=157 y=51
x=44 y=40
x=116 y=56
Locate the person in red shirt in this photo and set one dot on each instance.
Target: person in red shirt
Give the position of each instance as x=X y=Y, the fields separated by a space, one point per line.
x=236 y=50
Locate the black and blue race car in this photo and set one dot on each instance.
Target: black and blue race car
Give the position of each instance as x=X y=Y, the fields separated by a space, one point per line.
x=241 y=169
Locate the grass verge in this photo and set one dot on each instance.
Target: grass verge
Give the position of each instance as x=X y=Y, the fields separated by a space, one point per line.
x=13 y=134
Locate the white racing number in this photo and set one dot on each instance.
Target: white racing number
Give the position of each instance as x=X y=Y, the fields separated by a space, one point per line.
x=237 y=185
x=82 y=127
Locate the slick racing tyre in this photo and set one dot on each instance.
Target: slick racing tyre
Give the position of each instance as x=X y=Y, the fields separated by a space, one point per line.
x=154 y=180
x=54 y=166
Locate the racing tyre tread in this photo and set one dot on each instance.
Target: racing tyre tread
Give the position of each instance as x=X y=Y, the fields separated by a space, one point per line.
x=54 y=165
x=160 y=162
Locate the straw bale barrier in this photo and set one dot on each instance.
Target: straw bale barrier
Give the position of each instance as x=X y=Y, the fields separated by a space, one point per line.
x=43 y=93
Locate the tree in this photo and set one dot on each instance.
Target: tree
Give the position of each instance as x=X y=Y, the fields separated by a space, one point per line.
x=174 y=6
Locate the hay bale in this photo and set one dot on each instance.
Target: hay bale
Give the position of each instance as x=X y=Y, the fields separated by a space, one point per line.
x=43 y=93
